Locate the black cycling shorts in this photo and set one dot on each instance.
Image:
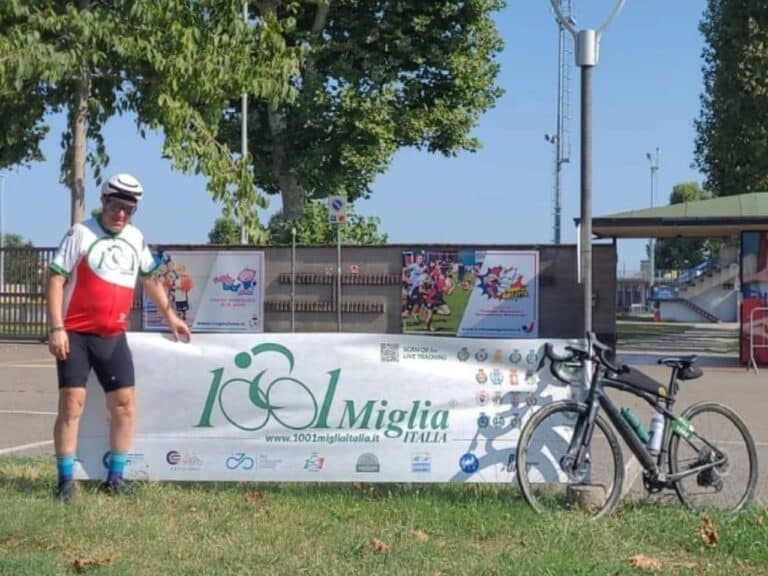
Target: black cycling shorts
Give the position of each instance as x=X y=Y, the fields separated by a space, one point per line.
x=108 y=356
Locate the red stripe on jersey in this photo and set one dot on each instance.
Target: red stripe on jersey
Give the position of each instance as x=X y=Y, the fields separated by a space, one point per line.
x=97 y=306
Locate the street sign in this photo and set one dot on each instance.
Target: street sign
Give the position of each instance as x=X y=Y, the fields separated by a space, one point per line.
x=337 y=209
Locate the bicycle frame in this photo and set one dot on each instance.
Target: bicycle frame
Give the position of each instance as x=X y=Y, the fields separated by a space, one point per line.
x=597 y=399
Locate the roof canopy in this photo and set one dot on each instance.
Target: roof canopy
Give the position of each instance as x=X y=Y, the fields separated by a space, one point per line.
x=724 y=216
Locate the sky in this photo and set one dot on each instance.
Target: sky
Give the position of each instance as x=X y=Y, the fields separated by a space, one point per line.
x=646 y=91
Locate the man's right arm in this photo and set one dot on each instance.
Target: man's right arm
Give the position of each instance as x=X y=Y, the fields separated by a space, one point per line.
x=58 y=341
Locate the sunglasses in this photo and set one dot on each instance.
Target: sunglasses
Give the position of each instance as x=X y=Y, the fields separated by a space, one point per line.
x=115 y=206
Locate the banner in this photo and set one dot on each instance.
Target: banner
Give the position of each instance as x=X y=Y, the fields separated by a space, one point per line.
x=472 y=293
x=216 y=291
x=324 y=407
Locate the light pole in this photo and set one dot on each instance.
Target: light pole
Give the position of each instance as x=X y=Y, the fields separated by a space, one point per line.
x=587 y=53
x=654 y=165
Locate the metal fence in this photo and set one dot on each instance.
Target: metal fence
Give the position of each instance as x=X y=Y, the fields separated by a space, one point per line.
x=23 y=313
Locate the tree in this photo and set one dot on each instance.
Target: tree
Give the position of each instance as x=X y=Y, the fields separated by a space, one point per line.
x=376 y=75
x=311 y=228
x=731 y=144
x=225 y=232
x=175 y=65
x=681 y=253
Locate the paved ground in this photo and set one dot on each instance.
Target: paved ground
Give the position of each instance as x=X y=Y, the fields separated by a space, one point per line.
x=28 y=398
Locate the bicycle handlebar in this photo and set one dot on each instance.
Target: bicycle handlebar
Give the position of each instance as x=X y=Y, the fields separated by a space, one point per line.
x=596 y=350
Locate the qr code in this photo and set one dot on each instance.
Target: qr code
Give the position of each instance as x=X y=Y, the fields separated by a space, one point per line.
x=390 y=352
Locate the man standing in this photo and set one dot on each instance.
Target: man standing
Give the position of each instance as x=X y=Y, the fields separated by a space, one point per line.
x=90 y=293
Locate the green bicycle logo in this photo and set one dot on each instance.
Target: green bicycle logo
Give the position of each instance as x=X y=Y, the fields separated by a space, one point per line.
x=251 y=404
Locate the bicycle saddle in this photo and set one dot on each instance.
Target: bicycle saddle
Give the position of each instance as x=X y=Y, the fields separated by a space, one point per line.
x=684 y=364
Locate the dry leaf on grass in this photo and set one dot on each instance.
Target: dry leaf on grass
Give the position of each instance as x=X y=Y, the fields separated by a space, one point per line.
x=420 y=535
x=643 y=562
x=254 y=497
x=82 y=564
x=708 y=532
x=378 y=546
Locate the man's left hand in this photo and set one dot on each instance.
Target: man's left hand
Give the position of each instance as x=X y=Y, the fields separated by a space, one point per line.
x=179 y=329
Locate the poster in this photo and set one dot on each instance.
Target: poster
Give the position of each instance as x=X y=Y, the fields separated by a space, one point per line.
x=470 y=293
x=325 y=407
x=213 y=291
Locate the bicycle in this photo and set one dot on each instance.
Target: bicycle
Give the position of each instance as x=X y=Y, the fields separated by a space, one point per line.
x=562 y=446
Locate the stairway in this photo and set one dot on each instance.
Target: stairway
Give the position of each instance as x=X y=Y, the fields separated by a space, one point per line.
x=711 y=278
x=720 y=339
x=698 y=309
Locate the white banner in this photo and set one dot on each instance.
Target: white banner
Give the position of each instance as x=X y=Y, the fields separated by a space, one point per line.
x=216 y=291
x=324 y=407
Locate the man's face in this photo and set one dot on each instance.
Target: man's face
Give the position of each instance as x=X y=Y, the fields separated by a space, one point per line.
x=116 y=212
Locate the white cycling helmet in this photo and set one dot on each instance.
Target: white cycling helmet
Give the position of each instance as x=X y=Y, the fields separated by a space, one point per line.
x=122 y=184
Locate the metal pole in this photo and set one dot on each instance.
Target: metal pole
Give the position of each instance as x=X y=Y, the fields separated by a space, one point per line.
x=293 y=279
x=587 y=55
x=244 y=133
x=2 y=233
x=651 y=241
x=586 y=194
x=338 y=276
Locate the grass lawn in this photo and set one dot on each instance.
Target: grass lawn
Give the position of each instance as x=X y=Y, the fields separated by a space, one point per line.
x=366 y=529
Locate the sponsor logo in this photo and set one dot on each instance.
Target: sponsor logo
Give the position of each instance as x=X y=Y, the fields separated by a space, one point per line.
x=483 y=421
x=515 y=357
x=498 y=356
x=463 y=355
x=497 y=377
x=514 y=378
x=179 y=461
x=240 y=460
x=243 y=284
x=132 y=459
x=481 y=355
x=481 y=376
x=264 y=462
x=482 y=397
x=421 y=463
x=516 y=399
x=367 y=463
x=531 y=358
x=531 y=399
x=314 y=463
x=255 y=398
x=498 y=398
x=499 y=421
x=469 y=463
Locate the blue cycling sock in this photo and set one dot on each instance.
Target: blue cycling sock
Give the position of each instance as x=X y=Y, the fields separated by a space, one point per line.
x=117 y=462
x=66 y=467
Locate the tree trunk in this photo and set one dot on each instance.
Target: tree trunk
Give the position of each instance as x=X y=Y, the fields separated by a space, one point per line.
x=79 y=146
x=292 y=194
x=79 y=117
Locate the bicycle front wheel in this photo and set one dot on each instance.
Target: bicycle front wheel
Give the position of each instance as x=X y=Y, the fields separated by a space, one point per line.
x=546 y=480
x=718 y=435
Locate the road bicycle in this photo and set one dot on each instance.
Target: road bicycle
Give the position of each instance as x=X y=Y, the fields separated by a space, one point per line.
x=568 y=449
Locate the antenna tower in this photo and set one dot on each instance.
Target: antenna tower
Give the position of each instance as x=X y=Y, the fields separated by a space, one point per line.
x=561 y=139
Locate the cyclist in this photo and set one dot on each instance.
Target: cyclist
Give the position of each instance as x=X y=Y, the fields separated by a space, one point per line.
x=90 y=292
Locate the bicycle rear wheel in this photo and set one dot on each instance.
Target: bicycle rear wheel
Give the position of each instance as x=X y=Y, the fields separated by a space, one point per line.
x=541 y=451
x=718 y=432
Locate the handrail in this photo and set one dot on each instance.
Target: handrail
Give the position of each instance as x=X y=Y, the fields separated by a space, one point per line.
x=764 y=341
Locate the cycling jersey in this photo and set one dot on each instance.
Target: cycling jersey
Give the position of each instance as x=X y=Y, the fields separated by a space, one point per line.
x=101 y=270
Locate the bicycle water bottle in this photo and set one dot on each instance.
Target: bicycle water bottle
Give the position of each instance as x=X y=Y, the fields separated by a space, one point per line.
x=635 y=424
x=656 y=434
